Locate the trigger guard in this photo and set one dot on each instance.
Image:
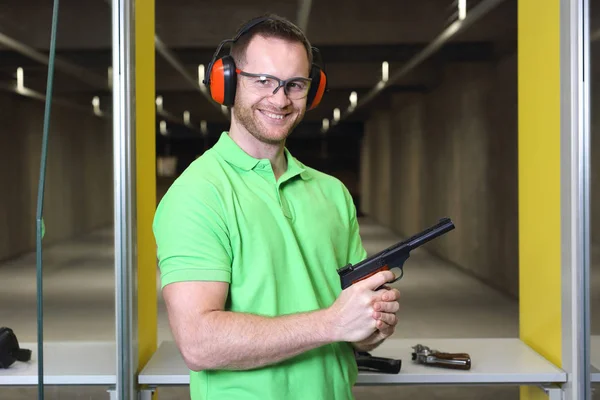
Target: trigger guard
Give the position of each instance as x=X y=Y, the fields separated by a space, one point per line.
x=399 y=276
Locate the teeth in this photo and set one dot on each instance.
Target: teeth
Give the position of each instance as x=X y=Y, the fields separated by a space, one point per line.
x=275 y=116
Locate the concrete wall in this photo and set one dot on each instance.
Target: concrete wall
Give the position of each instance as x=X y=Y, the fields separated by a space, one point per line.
x=376 y=196
x=78 y=194
x=452 y=152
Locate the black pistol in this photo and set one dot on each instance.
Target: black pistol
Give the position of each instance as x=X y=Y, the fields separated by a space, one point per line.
x=368 y=363
x=393 y=257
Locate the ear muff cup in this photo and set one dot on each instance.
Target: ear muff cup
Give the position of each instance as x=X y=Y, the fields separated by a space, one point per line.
x=223 y=81
x=318 y=87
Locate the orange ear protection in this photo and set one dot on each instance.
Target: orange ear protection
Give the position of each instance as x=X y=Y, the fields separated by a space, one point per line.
x=221 y=77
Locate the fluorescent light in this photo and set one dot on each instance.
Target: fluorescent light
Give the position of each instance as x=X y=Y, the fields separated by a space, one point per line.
x=186 y=117
x=336 y=114
x=163 y=128
x=20 y=80
x=159 y=103
x=201 y=74
x=462 y=9
x=325 y=125
x=203 y=127
x=96 y=106
x=385 y=71
x=353 y=99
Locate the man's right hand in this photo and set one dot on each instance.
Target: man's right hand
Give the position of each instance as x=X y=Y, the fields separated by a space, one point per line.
x=351 y=315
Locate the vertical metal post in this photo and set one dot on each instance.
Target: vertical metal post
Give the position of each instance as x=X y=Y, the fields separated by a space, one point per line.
x=585 y=183
x=555 y=394
x=112 y=394
x=575 y=184
x=124 y=196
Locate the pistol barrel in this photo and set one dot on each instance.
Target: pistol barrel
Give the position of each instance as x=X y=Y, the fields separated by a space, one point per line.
x=439 y=229
x=393 y=257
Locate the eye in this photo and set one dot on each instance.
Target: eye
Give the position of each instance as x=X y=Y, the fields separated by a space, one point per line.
x=264 y=81
x=297 y=85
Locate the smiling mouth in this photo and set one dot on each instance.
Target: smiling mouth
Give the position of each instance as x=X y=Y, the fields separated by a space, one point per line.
x=274 y=116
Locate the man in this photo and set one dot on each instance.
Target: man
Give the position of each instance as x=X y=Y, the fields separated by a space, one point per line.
x=249 y=243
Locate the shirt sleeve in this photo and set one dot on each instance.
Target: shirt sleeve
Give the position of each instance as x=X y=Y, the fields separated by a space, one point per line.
x=191 y=235
x=356 y=250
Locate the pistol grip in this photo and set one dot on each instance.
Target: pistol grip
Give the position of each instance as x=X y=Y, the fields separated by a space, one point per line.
x=383 y=268
x=452 y=360
x=366 y=362
x=397 y=271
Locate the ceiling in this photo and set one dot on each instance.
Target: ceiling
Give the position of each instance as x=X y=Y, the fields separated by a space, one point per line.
x=354 y=37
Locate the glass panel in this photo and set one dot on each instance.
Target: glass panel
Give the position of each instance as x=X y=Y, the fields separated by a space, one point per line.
x=77 y=247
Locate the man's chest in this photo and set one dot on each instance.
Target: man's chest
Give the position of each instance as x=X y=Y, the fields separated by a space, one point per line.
x=278 y=231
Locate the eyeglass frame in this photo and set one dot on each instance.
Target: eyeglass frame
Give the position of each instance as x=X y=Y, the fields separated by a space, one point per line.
x=280 y=82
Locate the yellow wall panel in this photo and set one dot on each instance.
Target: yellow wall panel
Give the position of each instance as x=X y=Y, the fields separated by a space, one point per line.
x=539 y=180
x=146 y=177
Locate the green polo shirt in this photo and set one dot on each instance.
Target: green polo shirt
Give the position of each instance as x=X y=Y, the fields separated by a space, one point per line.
x=278 y=244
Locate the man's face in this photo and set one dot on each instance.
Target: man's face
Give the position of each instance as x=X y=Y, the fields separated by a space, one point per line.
x=270 y=117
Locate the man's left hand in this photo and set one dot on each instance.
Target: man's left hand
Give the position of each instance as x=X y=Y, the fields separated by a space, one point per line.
x=385 y=310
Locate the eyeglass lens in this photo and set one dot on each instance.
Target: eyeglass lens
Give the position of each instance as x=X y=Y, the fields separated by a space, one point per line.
x=266 y=85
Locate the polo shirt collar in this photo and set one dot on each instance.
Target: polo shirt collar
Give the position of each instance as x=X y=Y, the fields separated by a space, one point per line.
x=233 y=154
x=294 y=167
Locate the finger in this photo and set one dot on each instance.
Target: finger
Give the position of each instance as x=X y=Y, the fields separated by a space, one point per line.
x=378 y=279
x=384 y=289
x=387 y=294
x=391 y=295
x=385 y=329
x=387 y=306
x=388 y=318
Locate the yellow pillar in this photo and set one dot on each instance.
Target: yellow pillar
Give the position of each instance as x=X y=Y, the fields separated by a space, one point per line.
x=539 y=180
x=146 y=179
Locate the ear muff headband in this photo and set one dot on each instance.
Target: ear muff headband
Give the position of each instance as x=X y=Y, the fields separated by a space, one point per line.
x=212 y=66
x=221 y=78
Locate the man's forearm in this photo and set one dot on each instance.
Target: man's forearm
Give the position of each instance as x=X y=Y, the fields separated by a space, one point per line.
x=229 y=340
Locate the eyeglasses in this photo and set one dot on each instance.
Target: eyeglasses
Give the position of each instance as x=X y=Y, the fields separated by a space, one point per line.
x=266 y=85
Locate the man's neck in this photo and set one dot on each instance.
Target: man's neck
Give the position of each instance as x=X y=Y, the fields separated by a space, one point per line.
x=257 y=149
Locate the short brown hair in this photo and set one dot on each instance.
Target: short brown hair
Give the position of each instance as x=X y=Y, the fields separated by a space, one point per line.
x=274 y=27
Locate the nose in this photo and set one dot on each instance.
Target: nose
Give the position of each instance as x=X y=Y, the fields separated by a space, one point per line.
x=280 y=99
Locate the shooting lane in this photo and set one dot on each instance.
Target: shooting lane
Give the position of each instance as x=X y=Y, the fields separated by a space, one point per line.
x=468 y=167
x=398 y=183
x=82 y=356
x=528 y=343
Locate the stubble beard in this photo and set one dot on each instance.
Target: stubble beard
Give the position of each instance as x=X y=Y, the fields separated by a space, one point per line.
x=246 y=117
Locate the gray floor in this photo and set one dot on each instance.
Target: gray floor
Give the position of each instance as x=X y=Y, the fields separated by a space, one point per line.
x=437 y=301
